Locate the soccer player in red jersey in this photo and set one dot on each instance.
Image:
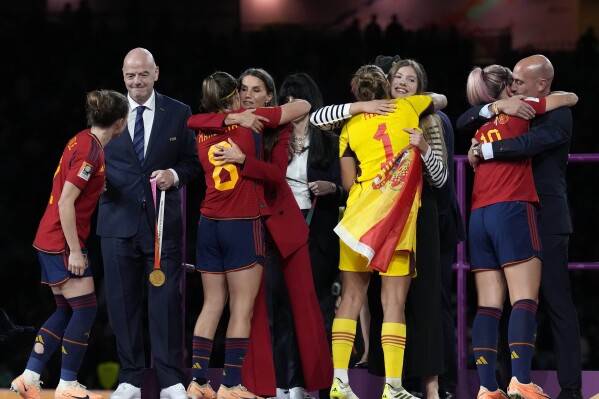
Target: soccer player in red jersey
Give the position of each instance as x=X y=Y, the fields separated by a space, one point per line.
x=505 y=249
x=288 y=270
x=60 y=242
x=230 y=232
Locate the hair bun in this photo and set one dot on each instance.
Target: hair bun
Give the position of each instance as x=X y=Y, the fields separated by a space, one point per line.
x=385 y=62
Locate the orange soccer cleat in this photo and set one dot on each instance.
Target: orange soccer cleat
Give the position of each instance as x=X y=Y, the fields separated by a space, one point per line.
x=517 y=390
x=484 y=393
x=27 y=391
x=236 y=392
x=197 y=391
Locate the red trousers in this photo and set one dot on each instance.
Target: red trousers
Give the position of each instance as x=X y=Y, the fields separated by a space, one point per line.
x=258 y=372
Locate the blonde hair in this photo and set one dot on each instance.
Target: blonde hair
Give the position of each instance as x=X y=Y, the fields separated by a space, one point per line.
x=485 y=85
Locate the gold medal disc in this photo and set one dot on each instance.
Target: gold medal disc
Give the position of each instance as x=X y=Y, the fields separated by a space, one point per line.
x=157 y=277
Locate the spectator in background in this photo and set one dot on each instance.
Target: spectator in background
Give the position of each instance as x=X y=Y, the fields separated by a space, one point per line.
x=313 y=176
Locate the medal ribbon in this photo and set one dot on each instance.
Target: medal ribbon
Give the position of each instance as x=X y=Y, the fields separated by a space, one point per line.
x=159 y=225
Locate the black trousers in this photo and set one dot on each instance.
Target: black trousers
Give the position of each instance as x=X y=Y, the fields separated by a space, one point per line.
x=127 y=265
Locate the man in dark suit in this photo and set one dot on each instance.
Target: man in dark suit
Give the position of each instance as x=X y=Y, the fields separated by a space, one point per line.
x=548 y=143
x=156 y=145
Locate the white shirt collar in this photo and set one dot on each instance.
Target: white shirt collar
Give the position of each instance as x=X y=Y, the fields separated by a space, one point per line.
x=149 y=104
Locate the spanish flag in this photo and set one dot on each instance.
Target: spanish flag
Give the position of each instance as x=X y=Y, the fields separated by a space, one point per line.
x=383 y=218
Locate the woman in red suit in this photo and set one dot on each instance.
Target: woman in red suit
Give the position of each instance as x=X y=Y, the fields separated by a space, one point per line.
x=287 y=239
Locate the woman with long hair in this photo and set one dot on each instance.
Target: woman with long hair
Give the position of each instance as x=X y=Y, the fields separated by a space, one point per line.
x=287 y=240
x=424 y=356
x=368 y=144
x=230 y=250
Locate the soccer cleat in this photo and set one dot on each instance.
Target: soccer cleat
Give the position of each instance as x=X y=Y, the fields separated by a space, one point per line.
x=236 y=392
x=390 y=392
x=484 y=393
x=517 y=390
x=197 y=391
x=74 y=390
x=126 y=391
x=27 y=391
x=339 y=390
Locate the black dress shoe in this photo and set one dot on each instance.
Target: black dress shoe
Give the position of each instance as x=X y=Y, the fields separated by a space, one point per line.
x=361 y=365
x=446 y=395
x=570 y=394
x=8 y=328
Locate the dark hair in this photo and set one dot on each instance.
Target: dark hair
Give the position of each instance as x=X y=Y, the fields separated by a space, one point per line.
x=218 y=91
x=385 y=62
x=104 y=107
x=418 y=68
x=302 y=86
x=369 y=83
x=269 y=136
x=265 y=77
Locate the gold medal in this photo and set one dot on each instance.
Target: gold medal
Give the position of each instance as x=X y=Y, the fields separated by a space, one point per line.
x=157 y=277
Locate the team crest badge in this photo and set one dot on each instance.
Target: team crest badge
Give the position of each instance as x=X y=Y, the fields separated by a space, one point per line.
x=85 y=171
x=502 y=119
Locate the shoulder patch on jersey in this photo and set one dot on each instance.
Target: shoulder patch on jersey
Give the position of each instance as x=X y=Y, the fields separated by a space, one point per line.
x=85 y=171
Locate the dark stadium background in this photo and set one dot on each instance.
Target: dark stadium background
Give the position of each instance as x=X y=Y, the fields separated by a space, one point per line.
x=52 y=54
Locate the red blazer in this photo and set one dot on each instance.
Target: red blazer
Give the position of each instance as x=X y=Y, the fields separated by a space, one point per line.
x=286 y=225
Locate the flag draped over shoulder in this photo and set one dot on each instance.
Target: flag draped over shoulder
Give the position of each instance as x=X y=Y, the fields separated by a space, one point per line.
x=383 y=219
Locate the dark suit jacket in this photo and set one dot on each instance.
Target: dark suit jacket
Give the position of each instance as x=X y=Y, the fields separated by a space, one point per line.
x=171 y=145
x=451 y=224
x=548 y=143
x=326 y=212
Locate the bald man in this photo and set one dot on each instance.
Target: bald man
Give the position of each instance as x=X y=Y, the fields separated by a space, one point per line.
x=548 y=144
x=155 y=145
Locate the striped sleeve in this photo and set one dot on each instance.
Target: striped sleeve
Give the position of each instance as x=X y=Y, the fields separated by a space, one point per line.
x=435 y=170
x=330 y=117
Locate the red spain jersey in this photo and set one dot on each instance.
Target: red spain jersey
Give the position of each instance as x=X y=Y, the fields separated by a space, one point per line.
x=501 y=181
x=82 y=164
x=229 y=195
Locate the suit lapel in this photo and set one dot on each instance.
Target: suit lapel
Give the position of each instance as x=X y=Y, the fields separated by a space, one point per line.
x=125 y=140
x=159 y=117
